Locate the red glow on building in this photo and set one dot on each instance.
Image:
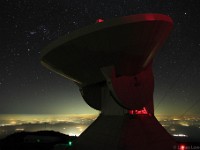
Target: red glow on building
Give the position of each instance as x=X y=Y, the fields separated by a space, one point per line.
x=99 y=20
x=131 y=112
x=138 y=112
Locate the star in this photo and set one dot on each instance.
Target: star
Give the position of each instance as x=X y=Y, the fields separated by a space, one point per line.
x=32 y=32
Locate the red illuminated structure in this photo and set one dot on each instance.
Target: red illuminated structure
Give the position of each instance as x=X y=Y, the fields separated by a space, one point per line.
x=99 y=20
x=139 y=112
x=111 y=62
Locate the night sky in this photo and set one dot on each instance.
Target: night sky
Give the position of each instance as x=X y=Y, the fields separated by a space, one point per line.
x=27 y=26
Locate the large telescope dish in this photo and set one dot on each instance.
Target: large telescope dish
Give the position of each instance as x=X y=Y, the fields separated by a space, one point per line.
x=129 y=43
x=111 y=61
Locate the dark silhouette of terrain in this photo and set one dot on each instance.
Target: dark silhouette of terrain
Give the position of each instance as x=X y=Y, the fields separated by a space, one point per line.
x=40 y=140
x=51 y=140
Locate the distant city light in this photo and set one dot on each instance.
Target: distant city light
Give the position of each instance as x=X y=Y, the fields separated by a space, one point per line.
x=180 y=135
x=175 y=119
x=61 y=120
x=13 y=122
x=19 y=129
x=172 y=129
x=164 y=125
x=80 y=129
x=73 y=134
x=184 y=124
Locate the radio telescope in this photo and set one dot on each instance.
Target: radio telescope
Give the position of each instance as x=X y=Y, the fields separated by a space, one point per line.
x=111 y=62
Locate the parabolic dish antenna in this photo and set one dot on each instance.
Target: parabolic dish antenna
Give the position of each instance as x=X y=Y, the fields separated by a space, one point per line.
x=111 y=62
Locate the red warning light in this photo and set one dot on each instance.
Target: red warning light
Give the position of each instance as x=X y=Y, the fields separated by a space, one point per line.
x=99 y=20
x=182 y=147
x=138 y=112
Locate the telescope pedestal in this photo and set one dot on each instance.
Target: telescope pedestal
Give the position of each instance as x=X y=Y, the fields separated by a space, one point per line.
x=115 y=129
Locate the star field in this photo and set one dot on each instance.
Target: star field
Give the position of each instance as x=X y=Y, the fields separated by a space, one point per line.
x=26 y=26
